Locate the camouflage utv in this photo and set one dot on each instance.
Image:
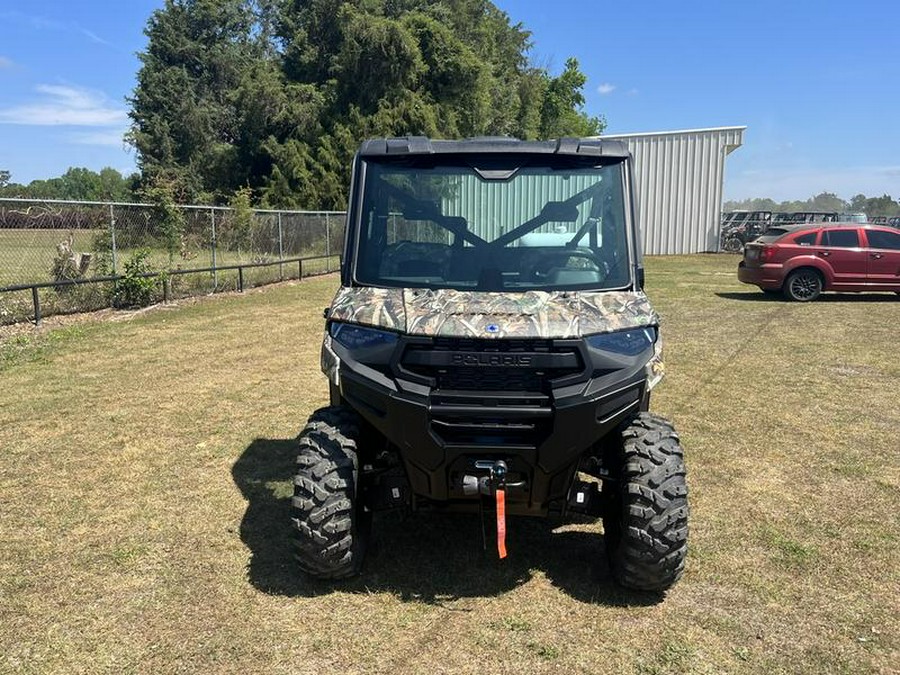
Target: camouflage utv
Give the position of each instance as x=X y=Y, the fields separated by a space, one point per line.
x=491 y=348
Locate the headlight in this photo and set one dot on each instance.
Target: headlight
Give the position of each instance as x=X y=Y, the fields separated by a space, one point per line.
x=356 y=338
x=627 y=342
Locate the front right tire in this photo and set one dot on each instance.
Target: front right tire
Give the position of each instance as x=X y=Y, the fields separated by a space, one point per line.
x=646 y=517
x=330 y=526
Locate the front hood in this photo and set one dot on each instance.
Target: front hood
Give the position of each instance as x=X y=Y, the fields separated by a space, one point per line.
x=532 y=314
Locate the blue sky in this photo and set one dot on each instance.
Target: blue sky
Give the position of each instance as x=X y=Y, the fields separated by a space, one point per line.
x=816 y=83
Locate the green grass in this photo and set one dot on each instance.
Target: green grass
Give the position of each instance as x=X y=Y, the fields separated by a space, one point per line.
x=145 y=482
x=26 y=256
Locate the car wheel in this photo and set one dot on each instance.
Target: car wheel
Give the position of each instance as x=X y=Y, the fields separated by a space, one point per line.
x=803 y=285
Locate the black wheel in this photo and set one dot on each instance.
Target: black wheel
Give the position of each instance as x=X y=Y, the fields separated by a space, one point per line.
x=733 y=245
x=330 y=526
x=803 y=285
x=646 y=519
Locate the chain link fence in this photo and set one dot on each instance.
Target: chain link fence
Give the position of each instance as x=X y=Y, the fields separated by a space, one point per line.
x=55 y=255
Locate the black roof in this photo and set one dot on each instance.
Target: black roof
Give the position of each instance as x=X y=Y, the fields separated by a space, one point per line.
x=421 y=145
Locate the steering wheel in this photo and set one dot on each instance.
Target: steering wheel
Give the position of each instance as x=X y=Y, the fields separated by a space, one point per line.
x=540 y=269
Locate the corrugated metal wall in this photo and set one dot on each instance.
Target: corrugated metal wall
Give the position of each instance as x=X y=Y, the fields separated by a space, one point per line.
x=679 y=177
x=493 y=208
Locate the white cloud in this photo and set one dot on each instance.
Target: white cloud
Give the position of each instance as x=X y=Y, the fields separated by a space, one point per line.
x=109 y=137
x=5 y=62
x=606 y=88
x=93 y=37
x=63 y=105
x=41 y=23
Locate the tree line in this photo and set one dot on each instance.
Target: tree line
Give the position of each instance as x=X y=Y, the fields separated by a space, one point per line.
x=276 y=95
x=77 y=183
x=824 y=201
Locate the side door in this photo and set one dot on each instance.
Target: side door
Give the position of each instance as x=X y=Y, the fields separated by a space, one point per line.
x=842 y=249
x=884 y=259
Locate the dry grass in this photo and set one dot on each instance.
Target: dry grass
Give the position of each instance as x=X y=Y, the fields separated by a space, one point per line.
x=146 y=469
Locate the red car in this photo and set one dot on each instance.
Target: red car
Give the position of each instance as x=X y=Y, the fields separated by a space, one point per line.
x=803 y=262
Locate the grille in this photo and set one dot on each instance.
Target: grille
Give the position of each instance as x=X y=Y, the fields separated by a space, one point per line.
x=490 y=378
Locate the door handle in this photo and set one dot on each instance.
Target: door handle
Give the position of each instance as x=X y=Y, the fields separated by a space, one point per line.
x=877 y=255
x=824 y=254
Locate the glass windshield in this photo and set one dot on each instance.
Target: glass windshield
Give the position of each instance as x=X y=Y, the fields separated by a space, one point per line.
x=486 y=224
x=772 y=234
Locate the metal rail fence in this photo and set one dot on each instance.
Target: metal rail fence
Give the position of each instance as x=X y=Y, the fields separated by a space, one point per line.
x=61 y=256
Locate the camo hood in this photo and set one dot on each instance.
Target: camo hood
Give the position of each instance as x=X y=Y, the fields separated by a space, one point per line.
x=479 y=314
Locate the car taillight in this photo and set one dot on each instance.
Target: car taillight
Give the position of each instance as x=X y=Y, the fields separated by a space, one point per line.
x=767 y=252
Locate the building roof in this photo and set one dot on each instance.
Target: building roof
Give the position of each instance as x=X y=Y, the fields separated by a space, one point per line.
x=675 y=133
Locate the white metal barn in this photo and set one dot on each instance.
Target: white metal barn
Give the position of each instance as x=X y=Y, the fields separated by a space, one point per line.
x=679 y=177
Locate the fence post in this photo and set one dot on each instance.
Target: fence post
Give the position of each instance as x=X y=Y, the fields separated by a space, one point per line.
x=212 y=221
x=240 y=279
x=327 y=243
x=280 y=248
x=112 y=239
x=36 y=299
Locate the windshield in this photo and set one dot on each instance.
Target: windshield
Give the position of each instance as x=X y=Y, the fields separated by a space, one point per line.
x=493 y=224
x=772 y=234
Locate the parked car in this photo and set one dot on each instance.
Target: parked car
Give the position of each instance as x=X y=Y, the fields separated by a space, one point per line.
x=804 y=261
x=894 y=222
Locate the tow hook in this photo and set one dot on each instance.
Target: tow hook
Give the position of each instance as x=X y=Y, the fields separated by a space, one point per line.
x=493 y=485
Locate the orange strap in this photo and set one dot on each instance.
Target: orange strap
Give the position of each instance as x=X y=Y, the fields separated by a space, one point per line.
x=501 y=523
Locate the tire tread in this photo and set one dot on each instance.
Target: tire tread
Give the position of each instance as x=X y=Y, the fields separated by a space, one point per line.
x=647 y=542
x=327 y=534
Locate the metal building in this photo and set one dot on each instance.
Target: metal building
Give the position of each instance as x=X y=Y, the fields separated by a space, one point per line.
x=679 y=177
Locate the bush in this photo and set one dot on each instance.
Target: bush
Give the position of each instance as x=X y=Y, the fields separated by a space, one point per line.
x=135 y=289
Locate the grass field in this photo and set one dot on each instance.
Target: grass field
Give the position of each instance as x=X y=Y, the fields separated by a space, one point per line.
x=145 y=482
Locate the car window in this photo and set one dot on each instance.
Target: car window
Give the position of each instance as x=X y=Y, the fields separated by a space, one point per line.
x=772 y=234
x=888 y=240
x=807 y=239
x=840 y=238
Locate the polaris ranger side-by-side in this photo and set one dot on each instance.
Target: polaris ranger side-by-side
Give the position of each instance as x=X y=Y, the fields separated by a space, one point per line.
x=491 y=346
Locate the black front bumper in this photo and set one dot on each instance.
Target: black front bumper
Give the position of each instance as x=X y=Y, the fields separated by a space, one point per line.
x=441 y=433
